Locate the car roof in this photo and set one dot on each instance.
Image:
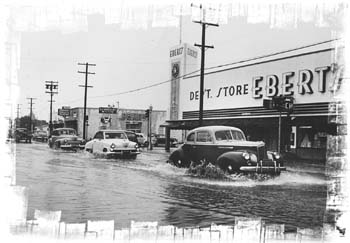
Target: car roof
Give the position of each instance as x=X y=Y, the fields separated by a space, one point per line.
x=110 y=130
x=64 y=128
x=216 y=128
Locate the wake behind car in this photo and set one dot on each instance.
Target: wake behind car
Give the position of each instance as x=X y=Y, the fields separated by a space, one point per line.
x=226 y=147
x=112 y=144
x=66 y=139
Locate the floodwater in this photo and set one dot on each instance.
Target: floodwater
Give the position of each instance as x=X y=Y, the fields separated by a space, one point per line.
x=148 y=189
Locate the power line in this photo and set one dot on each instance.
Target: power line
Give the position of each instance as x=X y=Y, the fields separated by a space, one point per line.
x=209 y=68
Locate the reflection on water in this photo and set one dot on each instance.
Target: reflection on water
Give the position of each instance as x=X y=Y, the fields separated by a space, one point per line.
x=148 y=189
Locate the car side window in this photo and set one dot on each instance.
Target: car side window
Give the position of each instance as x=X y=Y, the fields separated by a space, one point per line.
x=190 y=137
x=98 y=135
x=204 y=136
x=55 y=133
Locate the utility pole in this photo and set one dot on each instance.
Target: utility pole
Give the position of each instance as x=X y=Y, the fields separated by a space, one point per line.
x=85 y=95
x=17 y=120
x=150 y=126
x=51 y=88
x=30 y=114
x=203 y=46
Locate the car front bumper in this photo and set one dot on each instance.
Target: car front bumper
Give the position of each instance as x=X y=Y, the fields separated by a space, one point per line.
x=123 y=152
x=271 y=167
x=72 y=146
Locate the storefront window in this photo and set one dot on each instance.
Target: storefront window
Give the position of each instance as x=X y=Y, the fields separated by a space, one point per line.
x=311 y=138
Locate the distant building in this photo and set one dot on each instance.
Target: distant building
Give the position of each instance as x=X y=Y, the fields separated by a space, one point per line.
x=125 y=119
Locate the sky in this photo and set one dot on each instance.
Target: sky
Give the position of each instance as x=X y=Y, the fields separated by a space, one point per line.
x=130 y=46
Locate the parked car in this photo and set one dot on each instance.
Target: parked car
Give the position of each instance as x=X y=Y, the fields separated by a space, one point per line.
x=22 y=134
x=40 y=136
x=159 y=140
x=66 y=139
x=112 y=144
x=227 y=148
x=131 y=136
x=142 y=140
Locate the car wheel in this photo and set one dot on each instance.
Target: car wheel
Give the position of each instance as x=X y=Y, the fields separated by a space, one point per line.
x=175 y=159
x=227 y=166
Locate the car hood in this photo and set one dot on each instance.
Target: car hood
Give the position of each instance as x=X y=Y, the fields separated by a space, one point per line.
x=120 y=142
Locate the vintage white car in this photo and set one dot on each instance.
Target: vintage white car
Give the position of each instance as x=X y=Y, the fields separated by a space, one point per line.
x=112 y=144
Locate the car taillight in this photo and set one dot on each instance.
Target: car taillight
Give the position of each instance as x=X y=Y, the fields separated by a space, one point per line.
x=112 y=146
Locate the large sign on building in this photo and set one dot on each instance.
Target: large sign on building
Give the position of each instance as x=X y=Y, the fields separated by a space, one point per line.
x=305 y=76
x=184 y=59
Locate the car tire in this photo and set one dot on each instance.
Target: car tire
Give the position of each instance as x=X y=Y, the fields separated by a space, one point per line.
x=225 y=164
x=176 y=160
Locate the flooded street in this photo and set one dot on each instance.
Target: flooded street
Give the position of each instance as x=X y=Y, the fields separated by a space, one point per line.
x=148 y=189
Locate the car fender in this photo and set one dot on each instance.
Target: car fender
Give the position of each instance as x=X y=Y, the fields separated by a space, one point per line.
x=178 y=158
x=231 y=161
x=88 y=145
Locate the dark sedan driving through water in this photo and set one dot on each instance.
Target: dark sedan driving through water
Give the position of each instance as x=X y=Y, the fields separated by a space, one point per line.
x=227 y=148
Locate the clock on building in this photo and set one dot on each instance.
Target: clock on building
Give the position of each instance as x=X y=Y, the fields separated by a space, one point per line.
x=175 y=70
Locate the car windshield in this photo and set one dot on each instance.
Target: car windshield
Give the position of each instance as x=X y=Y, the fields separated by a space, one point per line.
x=228 y=135
x=67 y=132
x=115 y=135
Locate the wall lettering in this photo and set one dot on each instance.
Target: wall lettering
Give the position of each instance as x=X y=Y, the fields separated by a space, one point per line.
x=271 y=85
x=305 y=79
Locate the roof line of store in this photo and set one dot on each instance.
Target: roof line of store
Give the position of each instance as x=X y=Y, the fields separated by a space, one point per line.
x=262 y=62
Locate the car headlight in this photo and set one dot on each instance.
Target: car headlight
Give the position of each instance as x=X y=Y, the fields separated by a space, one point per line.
x=136 y=145
x=246 y=156
x=277 y=156
x=253 y=158
x=112 y=146
x=65 y=141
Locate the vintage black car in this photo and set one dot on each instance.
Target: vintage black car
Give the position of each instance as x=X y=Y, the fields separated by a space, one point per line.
x=22 y=134
x=227 y=148
x=66 y=139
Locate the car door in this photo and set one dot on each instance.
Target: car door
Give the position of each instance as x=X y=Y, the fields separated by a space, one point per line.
x=97 y=145
x=189 y=146
x=204 y=146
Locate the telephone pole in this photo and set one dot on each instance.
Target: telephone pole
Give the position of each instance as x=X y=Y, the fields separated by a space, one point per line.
x=150 y=126
x=30 y=114
x=85 y=95
x=51 y=88
x=17 y=120
x=204 y=24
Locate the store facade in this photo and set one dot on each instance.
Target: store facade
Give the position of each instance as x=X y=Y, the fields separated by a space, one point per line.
x=124 y=119
x=234 y=95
